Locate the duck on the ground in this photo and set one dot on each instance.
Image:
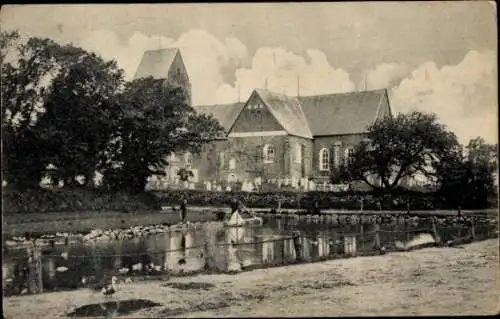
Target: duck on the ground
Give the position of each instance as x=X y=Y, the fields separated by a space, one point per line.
x=152 y=267
x=110 y=289
x=137 y=267
x=62 y=269
x=123 y=270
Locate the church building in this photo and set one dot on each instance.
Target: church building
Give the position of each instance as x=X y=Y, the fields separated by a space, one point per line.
x=272 y=138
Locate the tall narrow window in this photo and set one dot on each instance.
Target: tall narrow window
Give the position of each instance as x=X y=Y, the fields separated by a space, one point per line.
x=298 y=153
x=221 y=160
x=337 y=156
x=232 y=164
x=188 y=158
x=268 y=153
x=324 y=159
x=349 y=155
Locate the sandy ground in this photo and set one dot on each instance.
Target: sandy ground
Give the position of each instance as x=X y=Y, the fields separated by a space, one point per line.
x=432 y=281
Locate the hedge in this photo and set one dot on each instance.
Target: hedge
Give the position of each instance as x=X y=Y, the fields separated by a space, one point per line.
x=294 y=200
x=77 y=200
x=61 y=200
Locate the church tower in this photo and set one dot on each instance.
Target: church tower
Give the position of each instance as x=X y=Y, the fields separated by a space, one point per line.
x=166 y=64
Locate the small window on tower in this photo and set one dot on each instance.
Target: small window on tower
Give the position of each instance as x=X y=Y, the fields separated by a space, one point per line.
x=178 y=71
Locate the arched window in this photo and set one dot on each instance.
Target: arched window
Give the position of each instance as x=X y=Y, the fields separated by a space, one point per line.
x=268 y=153
x=188 y=158
x=324 y=159
x=298 y=153
x=348 y=155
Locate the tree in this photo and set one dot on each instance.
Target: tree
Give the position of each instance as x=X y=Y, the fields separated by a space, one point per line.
x=80 y=114
x=397 y=148
x=154 y=122
x=27 y=68
x=467 y=181
x=57 y=108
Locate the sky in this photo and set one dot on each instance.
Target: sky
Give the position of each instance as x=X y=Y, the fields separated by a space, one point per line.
x=431 y=56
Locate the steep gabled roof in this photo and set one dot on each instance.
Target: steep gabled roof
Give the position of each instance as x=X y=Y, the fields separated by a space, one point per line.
x=287 y=111
x=308 y=116
x=226 y=114
x=344 y=113
x=156 y=63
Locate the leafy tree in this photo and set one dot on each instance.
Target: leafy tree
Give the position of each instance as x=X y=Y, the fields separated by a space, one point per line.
x=154 y=122
x=467 y=181
x=397 y=148
x=57 y=108
x=26 y=70
x=80 y=114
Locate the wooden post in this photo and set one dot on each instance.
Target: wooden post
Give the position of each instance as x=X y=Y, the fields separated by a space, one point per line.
x=377 y=236
x=297 y=245
x=39 y=264
x=282 y=248
x=472 y=229
x=407 y=234
x=35 y=280
x=437 y=238
x=350 y=246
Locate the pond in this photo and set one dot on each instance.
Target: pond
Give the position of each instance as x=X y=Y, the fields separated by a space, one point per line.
x=216 y=248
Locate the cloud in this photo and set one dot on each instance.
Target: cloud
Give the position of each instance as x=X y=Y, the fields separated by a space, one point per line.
x=209 y=59
x=128 y=56
x=204 y=55
x=464 y=96
x=285 y=72
x=385 y=75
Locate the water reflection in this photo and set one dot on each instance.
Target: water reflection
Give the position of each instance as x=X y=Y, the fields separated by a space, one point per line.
x=212 y=248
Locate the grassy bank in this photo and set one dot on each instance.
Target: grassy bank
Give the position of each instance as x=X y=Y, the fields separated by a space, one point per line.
x=77 y=222
x=432 y=281
x=81 y=210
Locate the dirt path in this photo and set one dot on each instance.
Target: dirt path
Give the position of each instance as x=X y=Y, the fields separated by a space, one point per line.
x=433 y=281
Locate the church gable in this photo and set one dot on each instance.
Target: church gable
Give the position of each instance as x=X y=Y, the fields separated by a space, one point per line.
x=384 y=108
x=256 y=117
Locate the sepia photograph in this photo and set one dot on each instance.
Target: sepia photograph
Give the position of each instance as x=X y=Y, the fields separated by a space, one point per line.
x=273 y=159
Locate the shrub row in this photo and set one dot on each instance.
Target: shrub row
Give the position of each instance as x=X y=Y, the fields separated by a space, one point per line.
x=61 y=200
x=294 y=200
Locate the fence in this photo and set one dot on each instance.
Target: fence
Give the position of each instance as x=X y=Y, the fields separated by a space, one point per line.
x=234 y=254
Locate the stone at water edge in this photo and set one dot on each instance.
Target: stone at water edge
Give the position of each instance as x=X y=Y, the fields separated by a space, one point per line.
x=420 y=241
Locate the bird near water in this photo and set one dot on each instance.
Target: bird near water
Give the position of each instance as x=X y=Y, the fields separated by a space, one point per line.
x=105 y=286
x=110 y=289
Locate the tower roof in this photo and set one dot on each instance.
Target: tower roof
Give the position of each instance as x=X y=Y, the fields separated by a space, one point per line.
x=156 y=63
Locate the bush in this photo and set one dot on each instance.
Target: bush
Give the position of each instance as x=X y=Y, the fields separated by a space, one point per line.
x=304 y=201
x=62 y=200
